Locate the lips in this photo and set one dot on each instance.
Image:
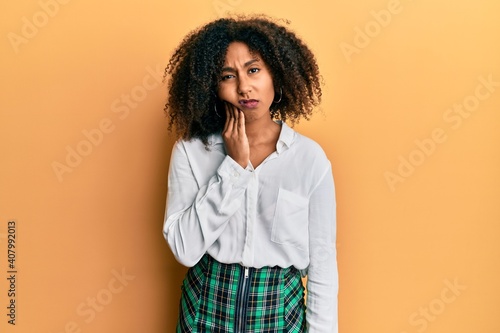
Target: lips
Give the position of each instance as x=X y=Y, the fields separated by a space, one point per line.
x=249 y=103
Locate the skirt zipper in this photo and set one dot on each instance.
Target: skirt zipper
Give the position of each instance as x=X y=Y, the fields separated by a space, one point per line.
x=242 y=300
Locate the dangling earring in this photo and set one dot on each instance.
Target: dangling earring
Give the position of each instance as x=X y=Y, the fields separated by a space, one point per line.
x=281 y=95
x=215 y=104
x=215 y=108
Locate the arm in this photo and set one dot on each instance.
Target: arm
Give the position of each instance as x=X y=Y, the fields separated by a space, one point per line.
x=196 y=215
x=322 y=278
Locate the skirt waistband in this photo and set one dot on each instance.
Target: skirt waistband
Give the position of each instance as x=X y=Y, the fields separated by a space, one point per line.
x=207 y=261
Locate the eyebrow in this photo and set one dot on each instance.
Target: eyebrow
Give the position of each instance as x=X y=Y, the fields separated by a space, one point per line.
x=248 y=63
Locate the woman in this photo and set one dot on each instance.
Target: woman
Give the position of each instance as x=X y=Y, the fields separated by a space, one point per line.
x=251 y=203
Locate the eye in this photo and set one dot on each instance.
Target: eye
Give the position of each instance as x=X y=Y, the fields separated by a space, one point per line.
x=227 y=77
x=254 y=70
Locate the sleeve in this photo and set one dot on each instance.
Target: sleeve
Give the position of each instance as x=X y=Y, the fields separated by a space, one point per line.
x=322 y=276
x=195 y=214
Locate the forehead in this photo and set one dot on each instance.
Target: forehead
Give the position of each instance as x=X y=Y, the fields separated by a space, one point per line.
x=239 y=52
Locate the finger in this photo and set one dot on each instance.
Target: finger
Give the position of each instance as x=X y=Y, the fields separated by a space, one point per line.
x=235 y=116
x=241 y=122
x=229 y=119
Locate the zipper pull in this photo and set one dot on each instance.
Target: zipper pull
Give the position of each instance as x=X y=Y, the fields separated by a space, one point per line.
x=246 y=272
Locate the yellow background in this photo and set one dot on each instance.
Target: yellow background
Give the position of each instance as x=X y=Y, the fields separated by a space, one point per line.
x=87 y=65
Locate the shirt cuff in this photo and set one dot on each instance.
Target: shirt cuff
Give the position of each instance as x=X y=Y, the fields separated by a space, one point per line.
x=231 y=170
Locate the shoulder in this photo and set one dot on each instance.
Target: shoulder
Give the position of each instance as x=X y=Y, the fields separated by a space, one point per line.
x=309 y=145
x=197 y=145
x=308 y=149
x=196 y=153
x=195 y=158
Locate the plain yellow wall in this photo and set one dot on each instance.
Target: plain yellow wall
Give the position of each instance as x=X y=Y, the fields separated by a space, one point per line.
x=410 y=120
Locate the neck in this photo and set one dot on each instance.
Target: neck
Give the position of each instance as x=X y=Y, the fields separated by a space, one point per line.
x=261 y=131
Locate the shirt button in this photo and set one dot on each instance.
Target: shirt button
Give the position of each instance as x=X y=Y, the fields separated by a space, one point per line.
x=236 y=174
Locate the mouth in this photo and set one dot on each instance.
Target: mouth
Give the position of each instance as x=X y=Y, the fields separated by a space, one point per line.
x=249 y=103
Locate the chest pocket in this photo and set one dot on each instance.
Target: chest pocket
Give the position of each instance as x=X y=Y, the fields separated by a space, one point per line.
x=290 y=224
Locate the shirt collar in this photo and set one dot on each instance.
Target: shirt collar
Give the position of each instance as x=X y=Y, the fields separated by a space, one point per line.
x=285 y=139
x=214 y=139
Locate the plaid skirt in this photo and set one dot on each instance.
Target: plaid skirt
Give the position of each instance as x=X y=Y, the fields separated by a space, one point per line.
x=228 y=298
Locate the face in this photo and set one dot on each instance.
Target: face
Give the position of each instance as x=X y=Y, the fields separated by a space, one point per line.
x=246 y=82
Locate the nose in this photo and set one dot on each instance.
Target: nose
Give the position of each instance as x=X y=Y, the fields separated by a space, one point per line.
x=243 y=86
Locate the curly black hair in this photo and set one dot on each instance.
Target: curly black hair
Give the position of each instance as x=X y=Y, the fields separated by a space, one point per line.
x=194 y=73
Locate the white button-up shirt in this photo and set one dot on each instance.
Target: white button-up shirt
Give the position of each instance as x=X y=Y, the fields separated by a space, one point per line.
x=280 y=213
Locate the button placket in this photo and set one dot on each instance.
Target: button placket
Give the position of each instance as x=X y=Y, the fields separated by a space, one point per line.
x=250 y=216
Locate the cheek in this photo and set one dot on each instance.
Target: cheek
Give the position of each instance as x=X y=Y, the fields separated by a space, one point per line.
x=270 y=90
x=223 y=92
x=269 y=86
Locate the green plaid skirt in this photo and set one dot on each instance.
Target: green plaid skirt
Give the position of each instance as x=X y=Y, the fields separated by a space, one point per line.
x=227 y=298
